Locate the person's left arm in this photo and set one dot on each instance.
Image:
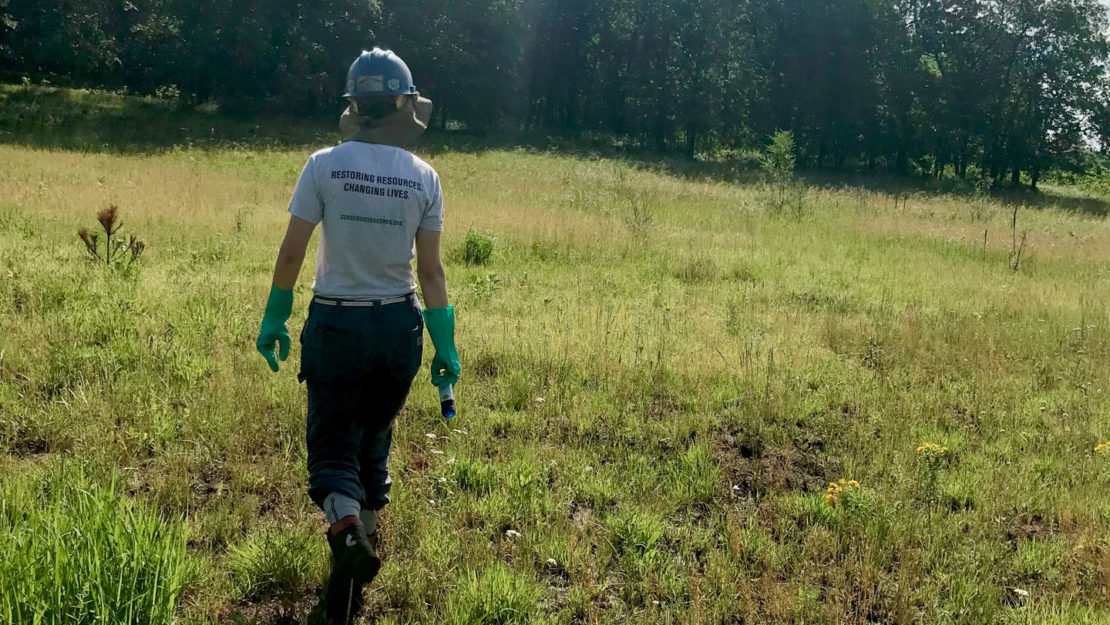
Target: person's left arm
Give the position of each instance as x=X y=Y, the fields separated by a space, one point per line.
x=280 y=303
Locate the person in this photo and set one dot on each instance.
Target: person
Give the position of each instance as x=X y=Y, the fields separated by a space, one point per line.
x=361 y=345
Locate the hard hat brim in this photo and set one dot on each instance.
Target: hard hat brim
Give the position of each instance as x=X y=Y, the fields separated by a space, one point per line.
x=374 y=94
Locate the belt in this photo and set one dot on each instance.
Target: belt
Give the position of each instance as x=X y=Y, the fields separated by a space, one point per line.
x=348 y=303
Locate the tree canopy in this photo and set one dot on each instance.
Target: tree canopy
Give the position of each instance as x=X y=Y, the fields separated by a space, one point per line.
x=1003 y=88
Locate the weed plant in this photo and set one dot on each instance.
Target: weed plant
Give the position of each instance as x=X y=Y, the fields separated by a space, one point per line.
x=478 y=249
x=114 y=254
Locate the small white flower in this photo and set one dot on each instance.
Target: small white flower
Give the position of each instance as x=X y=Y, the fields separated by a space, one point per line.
x=1021 y=592
x=431 y=436
x=552 y=562
x=512 y=534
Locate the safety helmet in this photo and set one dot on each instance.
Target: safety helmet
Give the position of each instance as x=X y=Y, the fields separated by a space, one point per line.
x=379 y=73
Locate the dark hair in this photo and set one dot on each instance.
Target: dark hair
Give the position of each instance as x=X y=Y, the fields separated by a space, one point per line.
x=377 y=107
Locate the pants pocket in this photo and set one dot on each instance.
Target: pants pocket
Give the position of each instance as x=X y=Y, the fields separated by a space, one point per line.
x=341 y=354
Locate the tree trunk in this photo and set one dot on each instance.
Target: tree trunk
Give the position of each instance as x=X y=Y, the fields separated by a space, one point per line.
x=691 y=143
x=659 y=134
x=901 y=161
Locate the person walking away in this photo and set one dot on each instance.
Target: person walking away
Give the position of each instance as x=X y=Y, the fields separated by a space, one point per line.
x=376 y=204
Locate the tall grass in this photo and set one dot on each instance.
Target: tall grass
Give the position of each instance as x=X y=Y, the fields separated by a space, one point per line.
x=75 y=553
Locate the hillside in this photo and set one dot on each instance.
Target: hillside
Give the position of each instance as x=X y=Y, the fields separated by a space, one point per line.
x=661 y=377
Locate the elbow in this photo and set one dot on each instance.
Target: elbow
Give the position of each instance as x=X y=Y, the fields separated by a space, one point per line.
x=289 y=259
x=432 y=274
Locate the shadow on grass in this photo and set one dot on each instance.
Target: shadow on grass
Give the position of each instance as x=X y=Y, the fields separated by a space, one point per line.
x=1059 y=198
x=104 y=122
x=1047 y=196
x=97 y=121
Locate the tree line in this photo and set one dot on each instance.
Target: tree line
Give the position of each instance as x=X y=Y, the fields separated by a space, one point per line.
x=999 y=89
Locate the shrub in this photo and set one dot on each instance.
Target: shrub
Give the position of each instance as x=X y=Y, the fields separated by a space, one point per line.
x=478 y=248
x=75 y=553
x=785 y=193
x=779 y=160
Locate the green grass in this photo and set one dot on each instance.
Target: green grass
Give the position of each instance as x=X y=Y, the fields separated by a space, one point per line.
x=276 y=564
x=75 y=552
x=660 y=380
x=494 y=595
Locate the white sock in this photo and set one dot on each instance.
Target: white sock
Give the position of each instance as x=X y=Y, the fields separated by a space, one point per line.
x=338 y=506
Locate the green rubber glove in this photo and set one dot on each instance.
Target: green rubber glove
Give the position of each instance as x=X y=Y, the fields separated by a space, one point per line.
x=278 y=309
x=441 y=327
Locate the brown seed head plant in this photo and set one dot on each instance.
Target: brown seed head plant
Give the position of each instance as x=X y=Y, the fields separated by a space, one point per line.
x=107 y=218
x=116 y=253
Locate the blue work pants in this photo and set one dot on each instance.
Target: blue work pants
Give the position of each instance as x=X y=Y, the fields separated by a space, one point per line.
x=358 y=364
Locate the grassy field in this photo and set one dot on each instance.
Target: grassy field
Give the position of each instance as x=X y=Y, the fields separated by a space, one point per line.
x=661 y=379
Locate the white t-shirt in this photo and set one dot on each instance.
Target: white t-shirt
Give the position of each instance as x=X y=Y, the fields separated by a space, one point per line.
x=371 y=200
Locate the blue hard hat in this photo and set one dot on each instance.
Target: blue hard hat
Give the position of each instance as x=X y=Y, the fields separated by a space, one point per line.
x=379 y=73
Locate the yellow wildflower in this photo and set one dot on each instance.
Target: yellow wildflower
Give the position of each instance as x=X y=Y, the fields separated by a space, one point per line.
x=837 y=489
x=932 y=449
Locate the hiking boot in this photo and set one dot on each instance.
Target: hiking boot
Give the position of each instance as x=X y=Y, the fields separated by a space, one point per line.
x=369 y=520
x=355 y=564
x=342 y=600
